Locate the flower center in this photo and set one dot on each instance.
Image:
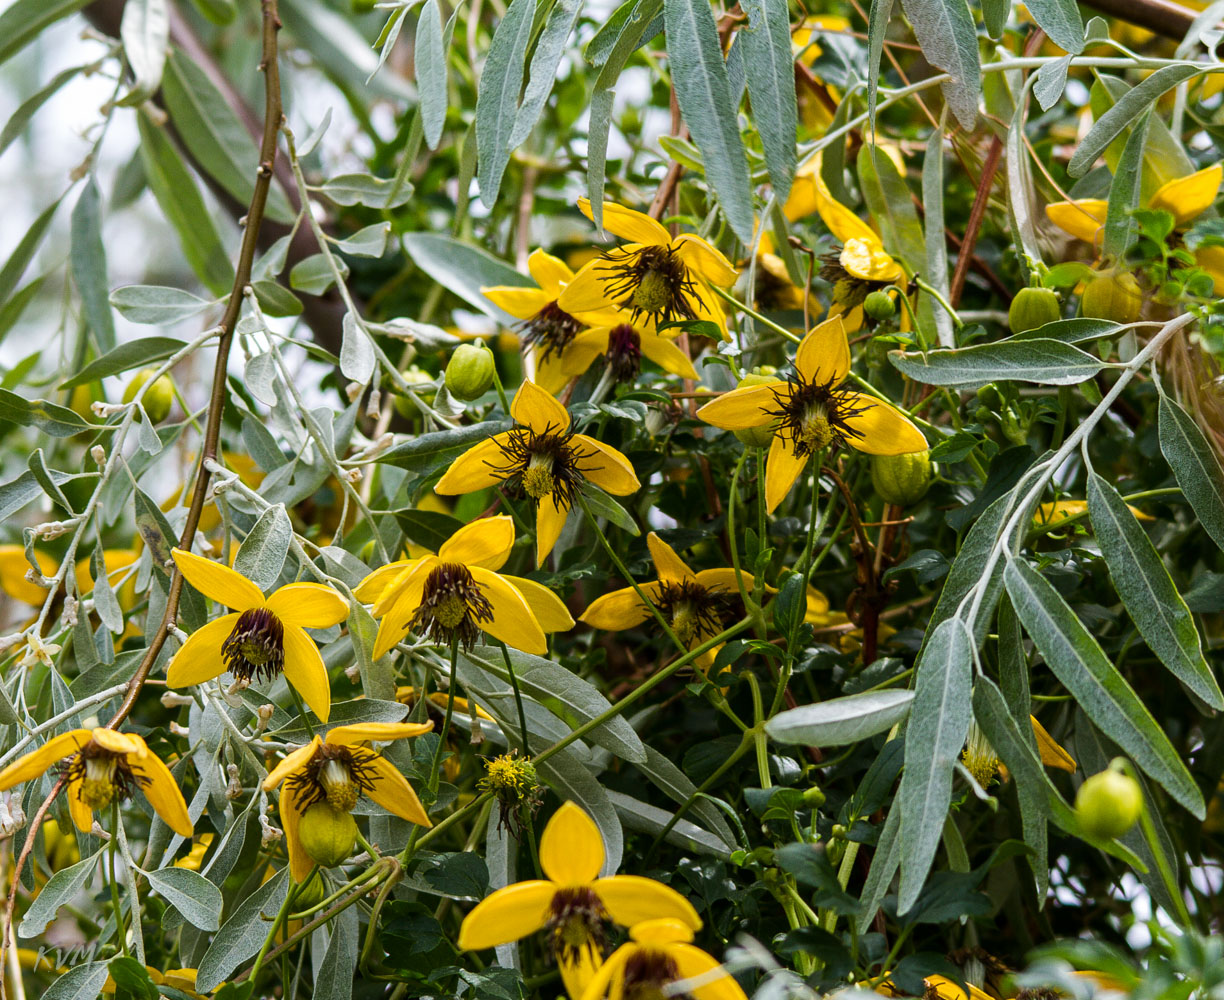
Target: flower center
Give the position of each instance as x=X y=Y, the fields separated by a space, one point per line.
x=538 y=479
x=551 y=329
x=815 y=415
x=337 y=775
x=576 y=919
x=979 y=757
x=98 y=783
x=452 y=606
x=256 y=646
x=624 y=352
x=544 y=465
x=647 y=971
x=685 y=622
x=651 y=280
x=338 y=785
x=695 y=612
x=816 y=432
x=103 y=776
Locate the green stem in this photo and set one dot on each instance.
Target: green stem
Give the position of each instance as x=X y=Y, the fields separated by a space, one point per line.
x=281 y=914
x=938 y=297
x=744 y=307
x=301 y=708
x=758 y=730
x=501 y=392
x=446 y=721
x=113 y=877
x=518 y=698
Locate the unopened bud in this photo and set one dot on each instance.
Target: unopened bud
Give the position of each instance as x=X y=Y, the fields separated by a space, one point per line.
x=469 y=375
x=901 y=479
x=98 y=454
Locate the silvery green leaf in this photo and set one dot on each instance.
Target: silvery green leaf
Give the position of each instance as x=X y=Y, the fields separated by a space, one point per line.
x=260 y=378
x=335 y=976
x=1194 y=465
x=648 y=819
x=242 y=934
x=189 y=892
x=314 y=274
x=61 y=887
x=370 y=241
x=84 y=982
x=770 y=72
x=549 y=49
x=464 y=270
x=1045 y=362
x=365 y=189
x=841 y=721
x=1124 y=192
x=1051 y=82
x=88 y=259
x=497 y=96
x=105 y=602
x=946 y=32
x=145 y=32
x=156 y=304
x=314 y=136
x=357 y=359
x=1061 y=21
x=262 y=553
x=431 y=72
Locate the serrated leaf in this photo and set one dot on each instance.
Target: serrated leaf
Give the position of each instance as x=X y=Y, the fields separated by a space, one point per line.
x=770 y=72
x=262 y=553
x=125 y=357
x=189 y=892
x=841 y=721
x=1045 y=362
x=945 y=30
x=1076 y=659
x=1143 y=583
x=1194 y=465
x=497 y=96
x=935 y=735
x=703 y=91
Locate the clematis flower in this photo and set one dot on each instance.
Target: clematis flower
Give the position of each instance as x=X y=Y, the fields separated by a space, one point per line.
x=654 y=277
x=812 y=413
x=697 y=606
x=573 y=903
x=458 y=593
x=545 y=459
x=623 y=344
x=105 y=766
x=1185 y=198
x=338 y=769
x=980 y=760
x=262 y=638
x=546 y=329
x=661 y=952
x=1057 y=511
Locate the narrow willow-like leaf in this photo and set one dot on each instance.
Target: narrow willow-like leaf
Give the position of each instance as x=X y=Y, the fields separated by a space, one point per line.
x=145 y=32
x=89 y=265
x=1019 y=187
x=463 y=269
x=699 y=76
x=945 y=31
x=934 y=737
x=877 y=29
x=263 y=551
x=125 y=357
x=1076 y=659
x=544 y=62
x=840 y=721
x=25 y=250
x=1013 y=662
x=431 y=72
x=883 y=866
x=1151 y=599
x=599 y=128
x=498 y=94
x=1045 y=362
x=243 y=933
x=1124 y=191
x=189 y=892
x=1061 y=20
x=20 y=118
x=1165 y=158
x=1127 y=109
x=1194 y=465
x=25 y=20
x=1050 y=82
x=933 y=231
x=770 y=72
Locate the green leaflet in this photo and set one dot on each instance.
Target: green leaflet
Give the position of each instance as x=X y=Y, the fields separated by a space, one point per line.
x=1194 y=465
x=770 y=70
x=1045 y=362
x=498 y=95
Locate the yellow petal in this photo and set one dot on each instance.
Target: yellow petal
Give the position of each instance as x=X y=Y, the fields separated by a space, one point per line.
x=664 y=353
x=782 y=468
x=740 y=409
x=692 y=963
x=550 y=272
x=485 y=542
x=578 y=969
x=371 y=588
x=880 y=429
x=415 y=573
x=1052 y=755
x=13 y=566
x=394 y=625
x=550 y=519
x=125 y=743
x=519 y=302
x=512 y=622
x=630 y=899
x=706 y=260
x=1189 y=197
x=163 y=793
x=606 y=467
x=723 y=579
x=300 y=863
x=376 y=732
x=1211 y=260
x=802 y=200
x=868 y=260
x=609 y=978
x=1082 y=219
x=393 y=792
x=304 y=669
x=552 y=371
x=672 y=569
x=222 y=584
x=308 y=605
x=945 y=989
x=841 y=222
x=549 y=609
x=199 y=659
x=506 y=915
x=294 y=761
x=581 y=352
x=536 y=409
x=660 y=931
x=37 y=762
x=571 y=847
x=636 y=227
x=620 y=609
x=824 y=354
x=586 y=293
x=82 y=815
x=476 y=469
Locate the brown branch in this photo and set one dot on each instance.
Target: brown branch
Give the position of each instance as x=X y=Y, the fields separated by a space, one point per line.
x=976 y=214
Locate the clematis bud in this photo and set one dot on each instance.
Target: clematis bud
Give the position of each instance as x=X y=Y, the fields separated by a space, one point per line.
x=1108 y=803
x=469 y=375
x=901 y=479
x=157 y=399
x=327 y=835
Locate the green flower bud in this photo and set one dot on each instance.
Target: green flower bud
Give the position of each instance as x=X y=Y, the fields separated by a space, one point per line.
x=879 y=306
x=901 y=479
x=470 y=372
x=327 y=835
x=813 y=797
x=1108 y=804
x=311 y=892
x=758 y=437
x=1033 y=307
x=1116 y=297
x=159 y=397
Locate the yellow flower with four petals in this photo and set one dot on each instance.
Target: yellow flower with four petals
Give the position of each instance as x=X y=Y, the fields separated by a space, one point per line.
x=661 y=952
x=262 y=637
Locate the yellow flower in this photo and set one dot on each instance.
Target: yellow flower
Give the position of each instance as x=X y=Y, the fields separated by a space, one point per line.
x=546 y=459
x=623 y=343
x=458 y=592
x=774 y=291
x=697 y=606
x=980 y=759
x=547 y=330
x=945 y=989
x=655 y=277
x=813 y=413
x=339 y=769
x=195 y=857
x=105 y=765
x=1186 y=198
x=13 y=569
x=437 y=700
x=661 y=952
x=573 y=903
x=180 y=980
x=263 y=637
x=1057 y=511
